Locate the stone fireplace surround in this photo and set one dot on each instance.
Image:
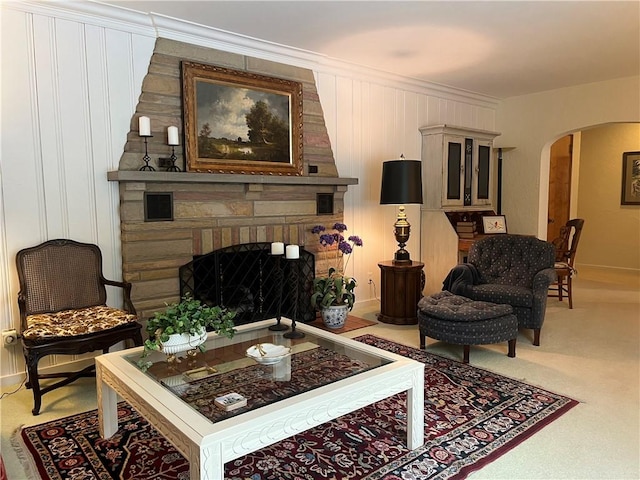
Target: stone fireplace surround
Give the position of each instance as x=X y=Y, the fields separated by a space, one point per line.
x=212 y=211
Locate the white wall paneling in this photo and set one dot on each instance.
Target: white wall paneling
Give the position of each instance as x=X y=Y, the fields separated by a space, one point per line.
x=369 y=123
x=69 y=90
x=22 y=191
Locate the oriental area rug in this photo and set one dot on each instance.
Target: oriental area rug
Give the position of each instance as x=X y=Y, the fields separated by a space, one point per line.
x=472 y=416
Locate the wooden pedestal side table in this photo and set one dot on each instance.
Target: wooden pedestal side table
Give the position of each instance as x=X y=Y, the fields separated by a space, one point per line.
x=400 y=290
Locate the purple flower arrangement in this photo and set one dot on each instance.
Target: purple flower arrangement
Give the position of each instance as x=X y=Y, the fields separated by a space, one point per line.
x=335 y=288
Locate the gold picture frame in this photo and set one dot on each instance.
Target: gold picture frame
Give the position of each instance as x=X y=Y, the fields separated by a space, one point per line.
x=630 y=178
x=241 y=122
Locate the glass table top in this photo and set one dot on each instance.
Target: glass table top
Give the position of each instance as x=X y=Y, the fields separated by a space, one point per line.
x=316 y=360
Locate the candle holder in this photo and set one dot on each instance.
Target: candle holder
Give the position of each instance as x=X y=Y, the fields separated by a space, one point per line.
x=296 y=279
x=279 y=327
x=173 y=167
x=146 y=158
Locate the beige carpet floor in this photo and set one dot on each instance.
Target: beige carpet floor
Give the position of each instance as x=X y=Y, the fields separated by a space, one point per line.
x=590 y=353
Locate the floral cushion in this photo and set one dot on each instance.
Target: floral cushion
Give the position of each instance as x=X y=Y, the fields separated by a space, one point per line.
x=70 y=323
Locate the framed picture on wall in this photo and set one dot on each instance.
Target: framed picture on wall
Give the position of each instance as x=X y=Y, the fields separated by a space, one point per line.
x=241 y=122
x=494 y=224
x=630 y=178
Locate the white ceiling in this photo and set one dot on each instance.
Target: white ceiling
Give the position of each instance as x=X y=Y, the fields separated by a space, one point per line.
x=497 y=48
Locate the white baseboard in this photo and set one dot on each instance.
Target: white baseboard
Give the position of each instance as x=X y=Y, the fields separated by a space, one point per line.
x=607 y=267
x=373 y=302
x=17 y=378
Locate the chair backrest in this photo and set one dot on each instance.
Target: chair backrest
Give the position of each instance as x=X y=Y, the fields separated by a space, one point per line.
x=567 y=243
x=60 y=275
x=507 y=259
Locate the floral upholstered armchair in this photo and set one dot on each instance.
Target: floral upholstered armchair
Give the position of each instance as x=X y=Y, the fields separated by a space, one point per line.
x=63 y=310
x=508 y=269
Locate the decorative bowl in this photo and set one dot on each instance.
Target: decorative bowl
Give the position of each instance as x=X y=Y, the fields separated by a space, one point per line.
x=268 y=353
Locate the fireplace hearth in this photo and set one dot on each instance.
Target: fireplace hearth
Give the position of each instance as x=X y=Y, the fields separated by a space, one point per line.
x=245 y=278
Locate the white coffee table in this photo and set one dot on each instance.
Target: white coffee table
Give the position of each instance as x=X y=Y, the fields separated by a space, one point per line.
x=209 y=444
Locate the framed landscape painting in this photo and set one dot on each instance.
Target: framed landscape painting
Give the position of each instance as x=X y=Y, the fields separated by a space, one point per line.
x=630 y=178
x=241 y=122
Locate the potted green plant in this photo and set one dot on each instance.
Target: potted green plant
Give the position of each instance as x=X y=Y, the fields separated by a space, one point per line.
x=334 y=293
x=183 y=326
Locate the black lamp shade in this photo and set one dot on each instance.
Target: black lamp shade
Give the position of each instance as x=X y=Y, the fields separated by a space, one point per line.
x=401 y=182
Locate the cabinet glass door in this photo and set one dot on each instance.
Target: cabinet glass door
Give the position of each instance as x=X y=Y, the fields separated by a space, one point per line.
x=482 y=168
x=453 y=185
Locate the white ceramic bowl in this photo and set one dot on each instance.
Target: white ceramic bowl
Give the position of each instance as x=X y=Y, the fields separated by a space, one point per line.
x=268 y=353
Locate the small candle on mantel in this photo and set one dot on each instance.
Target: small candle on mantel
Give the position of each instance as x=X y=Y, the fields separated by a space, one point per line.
x=293 y=252
x=172 y=135
x=144 y=127
x=277 y=248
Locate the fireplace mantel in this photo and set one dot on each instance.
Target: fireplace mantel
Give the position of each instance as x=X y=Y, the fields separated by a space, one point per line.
x=194 y=177
x=210 y=211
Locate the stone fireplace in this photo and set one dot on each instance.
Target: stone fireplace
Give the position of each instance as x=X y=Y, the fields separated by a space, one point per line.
x=203 y=212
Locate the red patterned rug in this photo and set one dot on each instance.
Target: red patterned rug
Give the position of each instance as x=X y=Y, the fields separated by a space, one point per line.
x=472 y=416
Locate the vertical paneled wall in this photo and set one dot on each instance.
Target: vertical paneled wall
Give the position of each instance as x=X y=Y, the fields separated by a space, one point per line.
x=70 y=84
x=69 y=89
x=369 y=123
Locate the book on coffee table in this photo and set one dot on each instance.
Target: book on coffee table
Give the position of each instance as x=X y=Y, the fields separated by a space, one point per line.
x=230 y=401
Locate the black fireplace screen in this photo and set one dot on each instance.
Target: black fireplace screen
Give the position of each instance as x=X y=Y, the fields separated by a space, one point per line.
x=249 y=280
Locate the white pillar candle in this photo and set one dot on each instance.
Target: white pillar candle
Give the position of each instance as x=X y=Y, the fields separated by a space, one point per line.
x=172 y=134
x=277 y=248
x=144 y=127
x=293 y=252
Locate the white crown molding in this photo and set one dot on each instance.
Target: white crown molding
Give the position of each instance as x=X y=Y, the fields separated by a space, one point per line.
x=188 y=32
x=158 y=25
x=89 y=12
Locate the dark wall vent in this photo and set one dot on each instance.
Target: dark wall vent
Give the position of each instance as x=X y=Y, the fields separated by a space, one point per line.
x=324 y=204
x=158 y=207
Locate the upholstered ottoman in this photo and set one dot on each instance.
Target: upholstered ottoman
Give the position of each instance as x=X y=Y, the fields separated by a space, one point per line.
x=462 y=321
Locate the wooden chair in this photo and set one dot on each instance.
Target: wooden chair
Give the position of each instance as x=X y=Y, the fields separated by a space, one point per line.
x=566 y=247
x=63 y=311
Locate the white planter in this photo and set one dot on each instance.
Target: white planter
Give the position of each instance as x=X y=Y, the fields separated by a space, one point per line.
x=335 y=315
x=182 y=342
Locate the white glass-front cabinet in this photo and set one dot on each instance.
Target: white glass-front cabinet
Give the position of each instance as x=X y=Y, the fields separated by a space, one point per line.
x=458 y=167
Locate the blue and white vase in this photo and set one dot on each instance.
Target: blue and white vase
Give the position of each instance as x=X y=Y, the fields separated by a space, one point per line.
x=335 y=315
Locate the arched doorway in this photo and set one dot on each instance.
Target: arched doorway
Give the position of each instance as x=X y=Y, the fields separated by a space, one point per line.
x=560 y=168
x=611 y=235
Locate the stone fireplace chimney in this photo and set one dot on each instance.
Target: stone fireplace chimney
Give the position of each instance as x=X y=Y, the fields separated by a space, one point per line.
x=195 y=213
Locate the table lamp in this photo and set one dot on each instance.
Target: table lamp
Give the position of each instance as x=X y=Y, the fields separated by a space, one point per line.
x=401 y=184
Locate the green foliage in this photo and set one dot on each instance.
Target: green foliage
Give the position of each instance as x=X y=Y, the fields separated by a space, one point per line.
x=334 y=289
x=188 y=316
x=268 y=129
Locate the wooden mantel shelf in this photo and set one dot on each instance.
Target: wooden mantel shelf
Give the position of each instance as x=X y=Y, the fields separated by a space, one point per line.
x=194 y=177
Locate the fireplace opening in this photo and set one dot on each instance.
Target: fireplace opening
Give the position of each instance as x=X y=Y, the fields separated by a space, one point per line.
x=249 y=280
